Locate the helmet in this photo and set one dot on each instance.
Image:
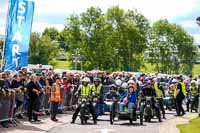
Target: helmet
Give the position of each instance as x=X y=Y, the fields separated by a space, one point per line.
x=97 y=80
x=124 y=85
x=118 y=82
x=130 y=85
x=149 y=82
x=154 y=79
x=131 y=82
x=174 y=81
x=86 y=79
x=193 y=82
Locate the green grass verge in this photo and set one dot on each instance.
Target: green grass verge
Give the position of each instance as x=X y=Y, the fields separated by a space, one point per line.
x=63 y=65
x=196 y=69
x=147 y=69
x=192 y=127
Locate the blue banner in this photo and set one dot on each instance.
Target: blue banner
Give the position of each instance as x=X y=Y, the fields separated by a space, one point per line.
x=19 y=25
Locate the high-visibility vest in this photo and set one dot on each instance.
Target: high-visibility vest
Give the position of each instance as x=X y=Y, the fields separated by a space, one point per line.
x=194 y=90
x=183 y=89
x=55 y=93
x=97 y=89
x=159 y=93
x=85 y=90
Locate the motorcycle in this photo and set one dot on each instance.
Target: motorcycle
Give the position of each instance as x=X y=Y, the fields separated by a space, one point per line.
x=149 y=112
x=85 y=110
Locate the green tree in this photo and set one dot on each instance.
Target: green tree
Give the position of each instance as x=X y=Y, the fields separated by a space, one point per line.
x=42 y=49
x=130 y=30
x=172 y=49
x=52 y=32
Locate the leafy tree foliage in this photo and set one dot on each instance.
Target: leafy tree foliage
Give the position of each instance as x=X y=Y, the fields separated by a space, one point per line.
x=172 y=49
x=115 y=40
x=42 y=49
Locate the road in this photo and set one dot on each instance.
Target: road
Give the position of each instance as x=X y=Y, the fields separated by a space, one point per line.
x=103 y=126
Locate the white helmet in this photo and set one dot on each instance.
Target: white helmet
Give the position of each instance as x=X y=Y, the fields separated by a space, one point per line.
x=118 y=82
x=131 y=82
x=193 y=82
x=86 y=79
x=124 y=85
x=174 y=81
x=155 y=79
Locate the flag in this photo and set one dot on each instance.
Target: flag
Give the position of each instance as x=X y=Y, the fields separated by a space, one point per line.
x=18 y=30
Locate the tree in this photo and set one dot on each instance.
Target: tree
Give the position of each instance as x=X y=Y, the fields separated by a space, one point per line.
x=129 y=36
x=42 y=49
x=52 y=32
x=112 y=41
x=172 y=49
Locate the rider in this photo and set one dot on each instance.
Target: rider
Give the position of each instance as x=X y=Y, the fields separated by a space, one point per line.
x=97 y=90
x=194 y=92
x=160 y=93
x=179 y=94
x=98 y=95
x=84 y=91
x=129 y=100
x=149 y=91
x=112 y=94
x=124 y=91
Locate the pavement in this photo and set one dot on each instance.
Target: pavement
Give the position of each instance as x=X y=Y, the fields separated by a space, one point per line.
x=103 y=125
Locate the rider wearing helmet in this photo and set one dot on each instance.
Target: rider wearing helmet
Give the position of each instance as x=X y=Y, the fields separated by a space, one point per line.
x=193 y=91
x=129 y=100
x=179 y=94
x=123 y=91
x=98 y=96
x=84 y=91
x=112 y=94
x=149 y=91
x=160 y=94
x=97 y=90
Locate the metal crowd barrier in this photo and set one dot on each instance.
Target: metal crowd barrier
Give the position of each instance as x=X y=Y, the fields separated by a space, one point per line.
x=8 y=110
x=7 y=104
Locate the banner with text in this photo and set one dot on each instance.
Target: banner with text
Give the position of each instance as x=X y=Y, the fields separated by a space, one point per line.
x=19 y=25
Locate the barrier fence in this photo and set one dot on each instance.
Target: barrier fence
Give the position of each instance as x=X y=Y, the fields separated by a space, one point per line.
x=7 y=104
x=14 y=103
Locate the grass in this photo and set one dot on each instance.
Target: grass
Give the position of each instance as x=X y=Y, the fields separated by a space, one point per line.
x=147 y=69
x=196 y=69
x=63 y=65
x=150 y=69
x=192 y=127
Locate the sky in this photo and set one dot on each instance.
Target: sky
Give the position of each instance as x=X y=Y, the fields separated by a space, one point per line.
x=53 y=13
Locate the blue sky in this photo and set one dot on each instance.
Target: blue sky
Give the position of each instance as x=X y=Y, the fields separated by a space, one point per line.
x=50 y=13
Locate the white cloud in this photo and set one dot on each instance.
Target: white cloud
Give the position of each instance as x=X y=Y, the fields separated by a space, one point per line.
x=152 y=9
x=40 y=26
